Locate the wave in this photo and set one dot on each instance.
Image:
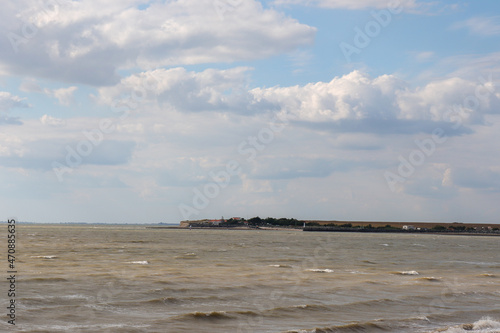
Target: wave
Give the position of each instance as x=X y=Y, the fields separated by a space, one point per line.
x=163 y=301
x=406 y=273
x=62 y=297
x=319 y=270
x=209 y=316
x=187 y=256
x=281 y=266
x=139 y=262
x=358 y=327
x=122 y=327
x=45 y=257
x=488 y=275
x=428 y=278
x=483 y=325
x=45 y=279
x=178 y=300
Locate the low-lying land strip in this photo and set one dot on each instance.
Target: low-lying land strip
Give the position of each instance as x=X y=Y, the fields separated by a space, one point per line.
x=344 y=226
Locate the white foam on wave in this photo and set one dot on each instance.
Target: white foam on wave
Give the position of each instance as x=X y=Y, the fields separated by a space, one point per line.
x=407 y=273
x=483 y=325
x=318 y=270
x=280 y=266
x=429 y=278
x=488 y=275
x=45 y=257
x=139 y=262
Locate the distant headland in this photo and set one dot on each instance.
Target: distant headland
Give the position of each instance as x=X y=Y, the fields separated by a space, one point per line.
x=343 y=226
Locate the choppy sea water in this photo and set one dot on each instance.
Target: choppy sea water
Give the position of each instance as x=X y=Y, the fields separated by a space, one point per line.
x=132 y=279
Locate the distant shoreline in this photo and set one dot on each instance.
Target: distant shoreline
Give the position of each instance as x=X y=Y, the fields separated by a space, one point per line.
x=308 y=229
x=269 y=223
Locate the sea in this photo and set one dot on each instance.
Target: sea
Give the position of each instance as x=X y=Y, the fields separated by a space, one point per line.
x=129 y=278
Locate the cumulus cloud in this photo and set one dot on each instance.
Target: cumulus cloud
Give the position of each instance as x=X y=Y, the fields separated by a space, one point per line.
x=209 y=90
x=355 y=102
x=64 y=95
x=88 y=41
x=358 y=102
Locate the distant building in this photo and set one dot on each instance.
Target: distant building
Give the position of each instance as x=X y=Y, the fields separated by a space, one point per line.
x=216 y=222
x=409 y=227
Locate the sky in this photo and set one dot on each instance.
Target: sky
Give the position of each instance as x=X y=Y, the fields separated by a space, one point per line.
x=132 y=111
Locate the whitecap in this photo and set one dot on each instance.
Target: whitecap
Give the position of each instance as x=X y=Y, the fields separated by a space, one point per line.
x=429 y=278
x=484 y=325
x=408 y=273
x=355 y=272
x=139 y=262
x=280 y=266
x=318 y=270
x=45 y=257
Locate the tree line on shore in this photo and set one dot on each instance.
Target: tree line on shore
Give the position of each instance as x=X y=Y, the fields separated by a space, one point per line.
x=291 y=222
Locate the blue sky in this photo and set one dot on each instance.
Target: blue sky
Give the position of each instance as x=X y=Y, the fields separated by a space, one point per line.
x=159 y=111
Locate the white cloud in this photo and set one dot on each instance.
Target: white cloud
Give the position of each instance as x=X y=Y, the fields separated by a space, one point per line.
x=482 y=26
x=209 y=90
x=357 y=97
x=51 y=121
x=355 y=102
x=424 y=56
x=89 y=41
x=64 y=95
x=9 y=101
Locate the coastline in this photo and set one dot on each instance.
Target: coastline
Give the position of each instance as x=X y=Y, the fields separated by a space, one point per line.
x=312 y=229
